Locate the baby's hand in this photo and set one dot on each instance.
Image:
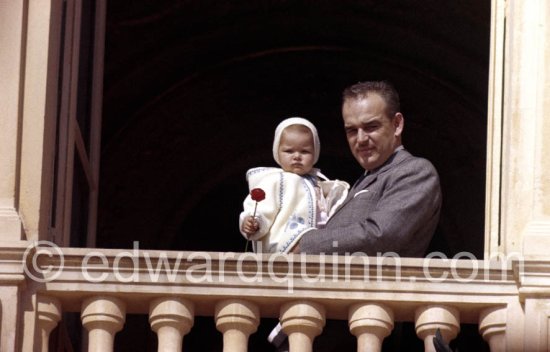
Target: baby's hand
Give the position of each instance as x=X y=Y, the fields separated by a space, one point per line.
x=250 y=226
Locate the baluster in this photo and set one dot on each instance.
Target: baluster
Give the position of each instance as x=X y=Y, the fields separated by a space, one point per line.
x=49 y=314
x=302 y=321
x=432 y=317
x=492 y=326
x=171 y=319
x=103 y=317
x=236 y=320
x=370 y=323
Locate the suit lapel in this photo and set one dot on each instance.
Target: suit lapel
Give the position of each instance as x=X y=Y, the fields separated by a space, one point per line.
x=363 y=185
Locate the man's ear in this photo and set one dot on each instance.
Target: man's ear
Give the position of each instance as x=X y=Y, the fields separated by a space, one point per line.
x=398 y=123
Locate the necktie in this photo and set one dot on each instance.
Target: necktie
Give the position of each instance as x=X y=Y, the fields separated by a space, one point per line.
x=360 y=179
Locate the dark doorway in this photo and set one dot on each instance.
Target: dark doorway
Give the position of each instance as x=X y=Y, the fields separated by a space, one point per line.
x=195 y=88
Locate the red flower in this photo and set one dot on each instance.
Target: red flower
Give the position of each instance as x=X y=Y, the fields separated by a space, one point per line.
x=257 y=194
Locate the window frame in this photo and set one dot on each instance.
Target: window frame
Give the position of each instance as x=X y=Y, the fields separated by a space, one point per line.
x=70 y=143
x=70 y=138
x=493 y=189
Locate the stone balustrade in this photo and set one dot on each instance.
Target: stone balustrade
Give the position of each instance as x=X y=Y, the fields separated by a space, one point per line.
x=370 y=323
x=372 y=294
x=302 y=321
x=171 y=318
x=236 y=319
x=48 y=315
x=103 y=317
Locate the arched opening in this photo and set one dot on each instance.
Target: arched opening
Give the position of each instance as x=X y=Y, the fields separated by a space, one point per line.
x=194 y=90
x=193 y=93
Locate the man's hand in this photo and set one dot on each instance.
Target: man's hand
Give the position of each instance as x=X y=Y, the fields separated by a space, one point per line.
x=250 y=226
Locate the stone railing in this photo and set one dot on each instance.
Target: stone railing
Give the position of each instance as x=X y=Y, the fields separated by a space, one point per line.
x=237 y=289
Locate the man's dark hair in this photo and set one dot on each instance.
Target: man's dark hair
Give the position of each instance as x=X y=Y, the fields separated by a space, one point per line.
x=383 y=88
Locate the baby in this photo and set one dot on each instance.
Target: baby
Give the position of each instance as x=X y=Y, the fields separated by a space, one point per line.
x=297 y=195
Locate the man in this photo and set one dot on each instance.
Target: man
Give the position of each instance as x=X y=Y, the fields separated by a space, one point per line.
x=395 y=205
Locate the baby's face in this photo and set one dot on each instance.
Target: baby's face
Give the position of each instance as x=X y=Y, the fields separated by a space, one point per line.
x=296 y=151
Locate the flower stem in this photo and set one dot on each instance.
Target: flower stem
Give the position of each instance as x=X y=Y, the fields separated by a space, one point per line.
x=254 y=217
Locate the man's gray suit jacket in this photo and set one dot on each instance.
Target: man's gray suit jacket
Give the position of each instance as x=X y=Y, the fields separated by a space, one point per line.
x=395 y=208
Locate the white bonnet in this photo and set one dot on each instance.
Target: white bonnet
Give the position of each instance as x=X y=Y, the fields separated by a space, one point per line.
x=296 y=121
